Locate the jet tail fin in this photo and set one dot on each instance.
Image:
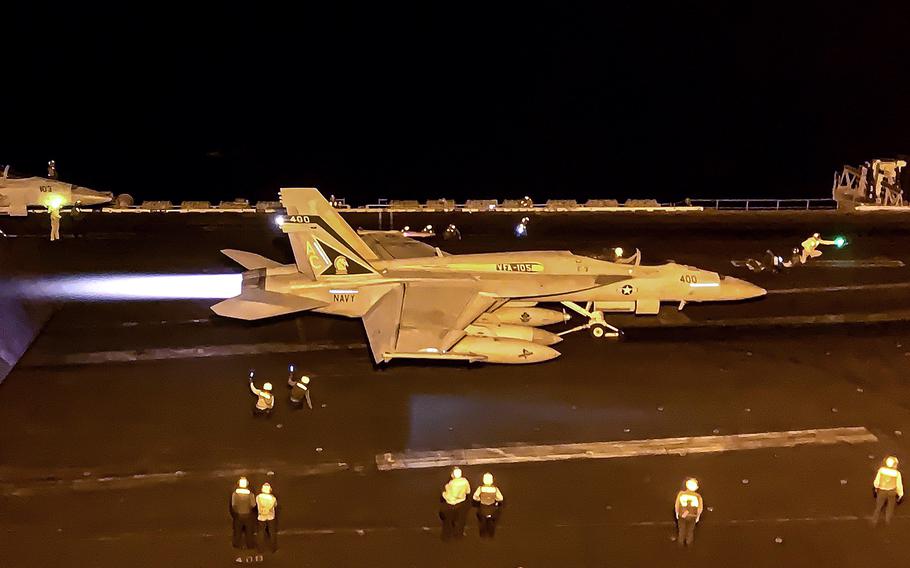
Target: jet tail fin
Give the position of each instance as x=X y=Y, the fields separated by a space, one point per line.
x=249 y=260
x=324 y=244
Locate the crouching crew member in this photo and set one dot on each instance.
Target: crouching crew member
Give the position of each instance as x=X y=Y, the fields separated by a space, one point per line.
x=265 y=401
x=300 y=392
x=810 y=247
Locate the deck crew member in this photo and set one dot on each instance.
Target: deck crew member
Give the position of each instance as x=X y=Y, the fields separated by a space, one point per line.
x=300 y=392
x=454 y=505
x=243 y=509
x=54 y=210
x=267 y=505
x=888 y=488
x=689 y=506
x=810 y=247
x=488 y=498
x=265 y=401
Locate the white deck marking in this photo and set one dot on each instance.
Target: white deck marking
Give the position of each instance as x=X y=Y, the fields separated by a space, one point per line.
x=24 y=483
x=152 y=534
x=624 y=449
x=869 y=263
x=853 y=288
x=160 y=354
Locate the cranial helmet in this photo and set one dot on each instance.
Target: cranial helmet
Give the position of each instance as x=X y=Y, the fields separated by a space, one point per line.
x=267 y=386
x=266 y=488
x=816 y=235
x=305 y=380
x=692 y=484
x=891 y=461
x=488 y=479
x=456 y=473
x=243 y=483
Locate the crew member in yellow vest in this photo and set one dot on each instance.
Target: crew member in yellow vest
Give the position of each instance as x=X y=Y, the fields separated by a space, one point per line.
x=243 y=511
x=810 y=247
x=689 y=506
x=265 y=400
x=267 y=505
x=888 y=488
x=54 y=210
x=454 y=512
x=488 y=499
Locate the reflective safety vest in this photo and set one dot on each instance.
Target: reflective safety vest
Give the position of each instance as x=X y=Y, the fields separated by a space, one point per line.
x=488 y=495
x=298 y=392
x=266 y=503
x=811 y=243
x=456 y=491
x=266 y=400
x=242 y=501
x=688 y=504
x=889 y=479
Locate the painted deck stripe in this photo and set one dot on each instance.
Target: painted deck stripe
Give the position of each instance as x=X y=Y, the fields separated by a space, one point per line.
x=870 y=263
x=853 y=288
x=624 y=449
x=16 y=483
x=252 y=557
x=162 y=354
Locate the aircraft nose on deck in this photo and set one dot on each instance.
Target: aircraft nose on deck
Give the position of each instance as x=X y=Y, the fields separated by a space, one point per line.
x=91 y=197
x=736 y=289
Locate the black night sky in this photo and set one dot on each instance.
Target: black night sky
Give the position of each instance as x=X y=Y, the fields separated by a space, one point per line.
x=689 y=99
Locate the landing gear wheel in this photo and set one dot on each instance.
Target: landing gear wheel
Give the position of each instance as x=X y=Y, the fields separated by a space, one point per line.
x=598 y=331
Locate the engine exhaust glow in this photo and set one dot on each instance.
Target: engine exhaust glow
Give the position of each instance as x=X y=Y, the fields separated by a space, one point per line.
x=132 y=287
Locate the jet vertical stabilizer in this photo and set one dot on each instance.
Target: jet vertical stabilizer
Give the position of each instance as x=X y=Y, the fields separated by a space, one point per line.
x=324 y=244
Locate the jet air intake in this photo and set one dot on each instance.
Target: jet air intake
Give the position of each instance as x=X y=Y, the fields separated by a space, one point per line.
x=504 y=350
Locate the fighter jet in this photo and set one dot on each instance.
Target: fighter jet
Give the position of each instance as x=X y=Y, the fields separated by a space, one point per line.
x=18 y=194
x=473 y=307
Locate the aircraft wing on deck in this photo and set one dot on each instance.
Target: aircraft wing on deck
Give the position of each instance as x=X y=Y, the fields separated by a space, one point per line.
x=425 y=318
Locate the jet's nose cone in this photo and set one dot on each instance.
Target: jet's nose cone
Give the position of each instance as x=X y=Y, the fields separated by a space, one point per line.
x=91 y=197
x=742 y=290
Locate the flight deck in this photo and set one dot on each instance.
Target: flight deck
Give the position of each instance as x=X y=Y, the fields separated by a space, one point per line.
x=124 y=426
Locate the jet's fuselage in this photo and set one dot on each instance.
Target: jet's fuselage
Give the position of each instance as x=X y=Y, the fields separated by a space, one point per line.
x=546 y=276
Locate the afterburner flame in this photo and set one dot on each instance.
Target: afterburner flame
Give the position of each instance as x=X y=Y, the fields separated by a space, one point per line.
x=132 y=287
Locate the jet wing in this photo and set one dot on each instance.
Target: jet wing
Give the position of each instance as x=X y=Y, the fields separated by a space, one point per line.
x=423 y=319
x=259 y=304
x=434 y=314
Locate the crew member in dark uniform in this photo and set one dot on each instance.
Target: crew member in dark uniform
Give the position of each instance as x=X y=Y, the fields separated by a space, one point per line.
x=243 y=511
x=488 y=499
